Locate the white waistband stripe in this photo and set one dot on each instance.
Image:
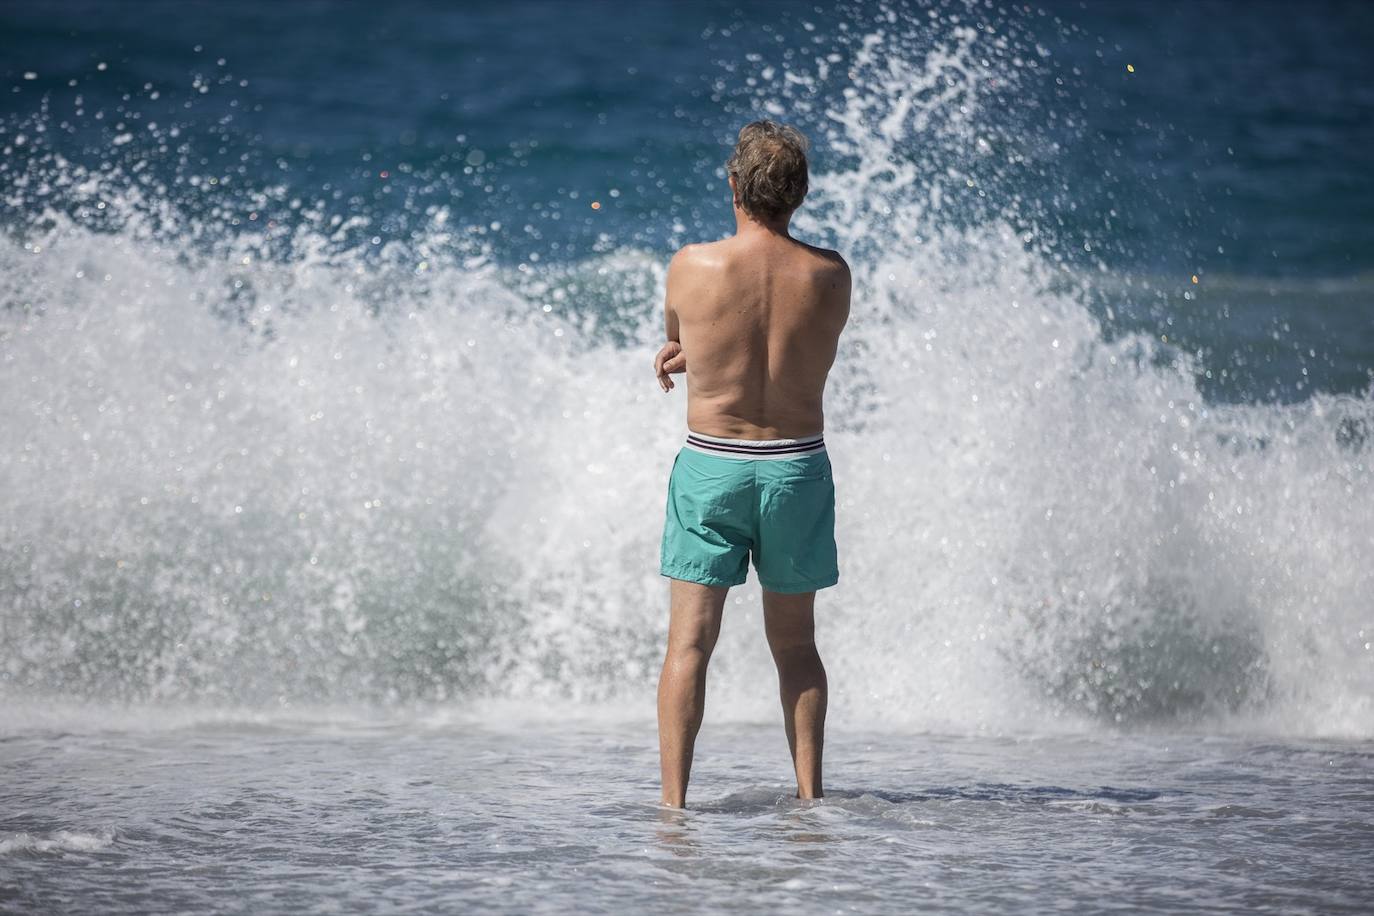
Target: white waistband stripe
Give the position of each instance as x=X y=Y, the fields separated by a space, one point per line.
x=756 y=449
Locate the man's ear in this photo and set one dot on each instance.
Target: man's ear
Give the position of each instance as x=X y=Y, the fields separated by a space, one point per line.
x=734 y=193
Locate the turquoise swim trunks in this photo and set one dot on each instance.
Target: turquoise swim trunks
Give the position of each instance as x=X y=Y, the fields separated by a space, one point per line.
x=774 y=500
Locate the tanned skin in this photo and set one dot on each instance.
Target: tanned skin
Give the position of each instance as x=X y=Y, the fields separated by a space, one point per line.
x=754 y=321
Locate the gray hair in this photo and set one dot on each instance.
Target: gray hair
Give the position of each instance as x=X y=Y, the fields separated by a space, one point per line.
x=769 y=167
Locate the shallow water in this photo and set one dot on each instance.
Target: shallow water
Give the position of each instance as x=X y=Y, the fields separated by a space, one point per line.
x=450 y=812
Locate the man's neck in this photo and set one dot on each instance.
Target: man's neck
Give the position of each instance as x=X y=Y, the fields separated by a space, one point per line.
x=748 y=226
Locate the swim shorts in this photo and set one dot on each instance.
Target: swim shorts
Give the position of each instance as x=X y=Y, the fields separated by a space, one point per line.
x=730 y=499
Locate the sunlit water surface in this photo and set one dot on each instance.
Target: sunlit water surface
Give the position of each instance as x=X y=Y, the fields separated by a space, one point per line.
x=450 y=813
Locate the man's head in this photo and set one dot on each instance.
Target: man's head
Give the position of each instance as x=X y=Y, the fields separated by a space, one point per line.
x=768 y=169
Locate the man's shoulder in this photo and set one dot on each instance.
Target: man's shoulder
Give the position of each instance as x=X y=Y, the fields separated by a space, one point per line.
x=830 y=273
x=828 y=259
x=698 y=254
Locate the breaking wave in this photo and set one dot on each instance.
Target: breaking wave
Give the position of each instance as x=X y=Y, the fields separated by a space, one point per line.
x=251 y=465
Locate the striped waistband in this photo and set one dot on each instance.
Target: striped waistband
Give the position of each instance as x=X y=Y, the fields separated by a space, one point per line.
x=756 y=449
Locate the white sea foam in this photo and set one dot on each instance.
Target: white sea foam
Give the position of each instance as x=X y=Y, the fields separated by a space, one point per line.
x=247 y=479
x=57 y=841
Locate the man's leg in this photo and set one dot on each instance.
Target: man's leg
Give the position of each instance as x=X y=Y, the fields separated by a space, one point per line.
x=789 y=621
x=692 y=631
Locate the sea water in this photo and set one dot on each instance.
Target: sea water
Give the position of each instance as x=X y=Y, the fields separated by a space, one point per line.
x=332 y=467
x=493 y=811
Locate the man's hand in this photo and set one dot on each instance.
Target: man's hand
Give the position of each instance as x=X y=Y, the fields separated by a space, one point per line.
x=669 y=360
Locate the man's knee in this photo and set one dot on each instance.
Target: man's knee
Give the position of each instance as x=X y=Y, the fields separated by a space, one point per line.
x=693 y=632
x=790 y=639
x=789 y=627
x=800 y=653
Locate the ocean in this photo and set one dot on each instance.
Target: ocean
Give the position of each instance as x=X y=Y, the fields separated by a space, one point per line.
x=332 y=464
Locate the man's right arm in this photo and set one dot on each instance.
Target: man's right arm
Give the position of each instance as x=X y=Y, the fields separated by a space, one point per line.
x=844 y=287
x=670 y=359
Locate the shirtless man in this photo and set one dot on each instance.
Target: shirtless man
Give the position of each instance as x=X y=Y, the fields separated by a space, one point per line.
x=754 y=320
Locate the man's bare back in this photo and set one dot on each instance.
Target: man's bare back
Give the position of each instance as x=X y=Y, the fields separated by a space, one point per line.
x=758 y=317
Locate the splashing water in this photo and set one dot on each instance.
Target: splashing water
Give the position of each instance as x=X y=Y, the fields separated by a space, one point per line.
x=260 y=467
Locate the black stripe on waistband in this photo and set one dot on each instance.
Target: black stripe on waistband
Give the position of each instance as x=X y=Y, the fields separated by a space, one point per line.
x=763 y=446
x=798 y=448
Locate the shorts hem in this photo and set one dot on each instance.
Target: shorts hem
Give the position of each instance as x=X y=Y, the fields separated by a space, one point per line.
x=797 y=588
x=700 y=578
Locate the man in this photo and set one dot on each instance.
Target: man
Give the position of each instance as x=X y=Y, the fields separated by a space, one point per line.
x=754 y=320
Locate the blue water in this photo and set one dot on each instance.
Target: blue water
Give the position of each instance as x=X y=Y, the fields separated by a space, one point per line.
x=1238 y=154
x=331 y=469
